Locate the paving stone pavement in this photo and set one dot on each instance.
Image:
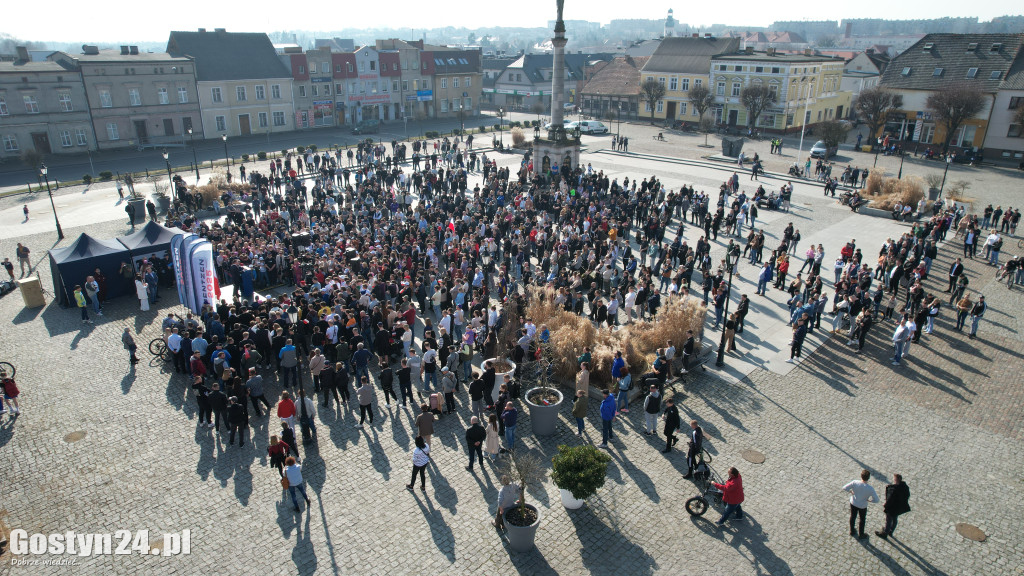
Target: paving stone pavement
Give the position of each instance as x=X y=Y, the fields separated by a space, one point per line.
x=949 y=421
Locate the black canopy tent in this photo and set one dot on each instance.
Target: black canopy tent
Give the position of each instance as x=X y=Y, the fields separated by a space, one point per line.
x=152 y=239
x=71 y=265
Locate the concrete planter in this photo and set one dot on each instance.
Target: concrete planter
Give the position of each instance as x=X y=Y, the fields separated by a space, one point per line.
x=876 y=212
x=163 y=203
x=569 y=502
x=521 y=538
x=499 y=377
x=140 y=210
x=544 y=417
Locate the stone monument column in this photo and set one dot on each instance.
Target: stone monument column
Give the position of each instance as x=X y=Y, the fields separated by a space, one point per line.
x=558 y=71
x=558 y=149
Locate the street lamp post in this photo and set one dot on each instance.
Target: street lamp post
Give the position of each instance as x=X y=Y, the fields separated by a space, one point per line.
x=307 y=434
x=501 y=121
x=43 y=170
x=803 y=124
x=949 y=160
x=174 y=190
x=877 y=150
x=728 y=295
x=903 y=154
x=227 y=159
x=195 y=162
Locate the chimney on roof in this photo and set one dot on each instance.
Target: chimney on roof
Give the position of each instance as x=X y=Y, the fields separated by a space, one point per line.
x=869 y=51
x=808 y=52
x=133 y=50
x=220 y=30
x=750 y=49
x=202 y=30
x=90 y=49
x=124 y=50
x=771 y=51
x=22 y=53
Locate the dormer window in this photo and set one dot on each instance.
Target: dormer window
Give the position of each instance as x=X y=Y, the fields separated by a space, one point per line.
x=906 y=71
x=972 y=46
x=972 y=72
x=937 y=72
x=996 y=47
x=928 y=46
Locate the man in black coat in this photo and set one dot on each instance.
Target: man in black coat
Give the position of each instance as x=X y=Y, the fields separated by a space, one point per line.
x=742 y=309
x=954 y=272
x=238 y=421
x=219 y=405
x=671 y=418
x=689 y=347
x=696 y=445
x=475 y=436
x=897 y=501
x=489 y=377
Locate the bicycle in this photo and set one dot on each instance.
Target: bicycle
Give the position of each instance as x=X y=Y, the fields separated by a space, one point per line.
x=8 y=368
x=705 y=477
x=158 y=347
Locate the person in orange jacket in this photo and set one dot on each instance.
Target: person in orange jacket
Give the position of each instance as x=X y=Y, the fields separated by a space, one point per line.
x=732 y=495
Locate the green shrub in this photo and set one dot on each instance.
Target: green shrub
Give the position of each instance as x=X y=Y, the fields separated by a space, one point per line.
x=245 y=157
x=87 y=178
x=311 y=147
x=284 y=152
x=431 y=134
x=580 y=469
x=261 y=155
x=106 y=175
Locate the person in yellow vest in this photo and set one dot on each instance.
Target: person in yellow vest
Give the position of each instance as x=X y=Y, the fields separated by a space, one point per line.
x=83 y=305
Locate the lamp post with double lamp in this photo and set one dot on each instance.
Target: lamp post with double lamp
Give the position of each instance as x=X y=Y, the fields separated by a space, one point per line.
x=170 y=179
x=307 y=434
x=195 y=162
x=729 y=261
x=227 y=159
x=43 y=170
x=949 y=160
x=877 y=150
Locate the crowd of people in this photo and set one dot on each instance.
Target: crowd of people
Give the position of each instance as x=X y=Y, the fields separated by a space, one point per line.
x=401 y=273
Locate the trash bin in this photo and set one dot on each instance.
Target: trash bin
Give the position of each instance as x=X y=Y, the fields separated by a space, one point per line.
x=32 y=292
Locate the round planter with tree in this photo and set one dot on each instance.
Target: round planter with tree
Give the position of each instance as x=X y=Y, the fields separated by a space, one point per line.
x=523 y=520
x=502 y=366
x=544 y=404
x=579 y=471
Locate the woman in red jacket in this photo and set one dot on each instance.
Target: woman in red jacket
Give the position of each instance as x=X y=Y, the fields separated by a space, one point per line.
x=286 y=409
x=732 y=495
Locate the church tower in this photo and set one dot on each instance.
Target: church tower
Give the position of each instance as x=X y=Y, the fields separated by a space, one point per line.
x=670 y=25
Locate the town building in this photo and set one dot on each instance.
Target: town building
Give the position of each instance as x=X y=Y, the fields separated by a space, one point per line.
x=243 y=87
x=43 y=108
x=1004 y=141
x=457 y=80
x=612 y=89
x=681 y=63
x=863 y=71
x=807 y=88
x=137 y=99
x=525 y=85
x=412 y=87
x=988 y=62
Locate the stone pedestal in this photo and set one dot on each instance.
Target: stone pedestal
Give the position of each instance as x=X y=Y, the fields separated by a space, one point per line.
x=556 y=152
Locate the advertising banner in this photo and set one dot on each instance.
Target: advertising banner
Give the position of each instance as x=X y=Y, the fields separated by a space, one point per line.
x=203 y=275
x=179 y=272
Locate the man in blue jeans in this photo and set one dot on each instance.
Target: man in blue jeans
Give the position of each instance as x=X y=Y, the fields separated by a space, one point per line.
x=509 y=418
x=289 y=363
x=607 y=417
x=361 y=360
x=293 y=472
x=899 y=341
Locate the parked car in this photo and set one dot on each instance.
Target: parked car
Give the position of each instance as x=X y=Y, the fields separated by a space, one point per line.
x=367 y=127
x=819 y=150
x=565 y=124
x=589 y=127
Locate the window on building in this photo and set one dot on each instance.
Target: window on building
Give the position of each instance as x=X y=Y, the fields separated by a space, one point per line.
x=373 y=65
x=162 y=96
x=972 y=72
x=10 y=143
x=275 y=91
x=1015 y=131
x=776 y=70
x=262 y=119
x=240 y=93
x=182 y=95
x=467 y=103
x=215 y=92
x=112 y=133
x=467 y=81
x=134 y=98
x=316 y=90
x=65 y=138
x=384 y=86
x=738 y=68
x=81 y=137
x=338 y=89
x=350 y=67
x=455 y=82
x=937 y=72
x=405 y=85
x=261 y=92
x=736 y=88
x=906 y=71
x=995 y=75
x=64 y=96
x=222 y=124
x=302 y=91
x=426 y=84
x=302 y=69
x=31 y=106
x=661 y=106
x=697 y=82
x=767 y=120
x=394 y=85
x=444 y=83
x=325 y=67
x=3 y=106
x=647 y=106
x=337 y=69
x=661 y=80
x=327 y=89
x=1015 y=101
x=673 y=84
x=759 y=69
x=444 y=102
x=278 y=118
x=186 y=124
x=682 y=108
x=352 y=88
x=684 y=85
x=721 y=89
x=927 y=133
x=774 y=88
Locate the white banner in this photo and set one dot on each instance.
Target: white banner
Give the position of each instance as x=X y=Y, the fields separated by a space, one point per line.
x=203 y=274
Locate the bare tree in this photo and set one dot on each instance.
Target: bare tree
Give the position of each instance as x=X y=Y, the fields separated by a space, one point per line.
x=526 y=471
x=756 y=98
x=873 y=107
x=701 y=99
x=32 y=158
x=538 y=109
x=832 y=132
x=652 y=91
x=954 y=105
x=1018 y=116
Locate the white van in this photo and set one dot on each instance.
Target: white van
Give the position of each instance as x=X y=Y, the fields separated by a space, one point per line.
x=590 y=127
